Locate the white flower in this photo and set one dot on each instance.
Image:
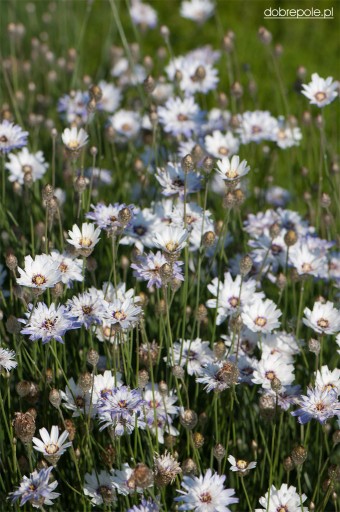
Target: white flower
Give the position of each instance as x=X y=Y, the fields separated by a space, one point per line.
x=25 y=162
x=233 y=169
x=327 y=379
x=307 y=261
x=206 y=493
x=73 y=139
x=257 y=126
x=287 y=136
x=218 y=376
x=103 y=384
x=192 y=353
x=320 y=91
x=271 y=367
x=180 y=117
x=126 y=124
x=174 y=181
x=166 y=467
x=84 y=239
x=123 y=313
x=70 y=268
x=52 y=445
x=286 y=498
x=143 y=14
x=99 y=486
x=6 y=359
x=171 y=240
x=220 y=145
x=123 y=481
x=239 y=465
x=11 y=137
x=324 y=318
x=111 y=97
x=197 y=10
x=261 y=316
x=40 y=273
x=77 y=400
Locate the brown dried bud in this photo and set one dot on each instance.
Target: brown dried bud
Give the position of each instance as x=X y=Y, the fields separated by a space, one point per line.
x=13 y=326
x=229 y=373
x=246 y=264
x=290 y=238
x=71 y=429
x=143 y=378
x=55 y=398
x=336 y=437
x=288 y=464
x=299 y=455
x=219 y=452
x=124 y=216
x=314 y=346
x=95 y=92
x=148 y=354
x=274 y=230
x=229 y=200
x=219 y=350
x=281 y=281
x=161 y=307
x=149 y=84
x=201 y=313
x=24 y=426
x=325 y=200
x=189 y=467
x=188 y=163
x=267 y=406
x=208 y=164
x=80 y=184
x=197 y=153
x=178 y=372
x=92 y=357
x=11 y=262
x=276 y=385
x=107 y=493
x=236 y=90
x=163 y=388
x=49 y=375
x=198 y=440
x=265 y=36
x=170 y=441
x=188 y=418
x=108 y=455
x=165 y=272
x=23 y=388
x=48 y=192
x=142 y=476
x=85 y=381
x=208 y=239
x=57 y=290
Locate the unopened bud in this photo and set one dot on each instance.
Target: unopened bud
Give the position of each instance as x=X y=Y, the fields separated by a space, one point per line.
x=299 y=455
x=188 y=418
x=92 y=357
x=198 y=440
x=188 y=163
x=208 y=238
x=290 y=238
x=55 y=398
x=246 y=264
x=219 y=452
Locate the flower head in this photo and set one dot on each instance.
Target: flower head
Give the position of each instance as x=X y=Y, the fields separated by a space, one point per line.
x=52 y=445
x=320 y=91
x=73 y=139
x=36 y=490
x=7 y=359
x=85 y=239
x=11 y=137
x=39 y=273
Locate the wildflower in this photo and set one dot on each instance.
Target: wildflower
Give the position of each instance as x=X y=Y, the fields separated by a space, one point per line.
x=70 y=268
x=141 y=229
x=126 y=124
x=287 y=136
x=121 y=410
x=261 y=316
x=87 y=308
x=174 y=180
x=231 y=170
x=160 y=411
x=77 y=400
x=100 y=488
x=52 y=445
x=286 y=498
x=171 y=241
x=180 y=117
x=103 y=385
x=205 y=493
x=219 y=376
x=319 y=404
x=221 y=145
x=24 y=162
x=256 y=126
x=7 y=359
x=320 y=91
x=197 y=10
x=326 y=379
x=47 y=323
x=123 y=481
x=73 y=107
x=146 y=505
x=148 y=268
x=39 y=273
x=110 y=98
x=143 y=14
x=11 y=137
x=73 y=139
x=123 y=314
x=85 y=239
x=323 y=318
x=166 y=468
x=307 y=261
x=197 y=76
x=192 y=353
x=242 y=467
x=109 y=217
x=273 y=367
x=36 y=490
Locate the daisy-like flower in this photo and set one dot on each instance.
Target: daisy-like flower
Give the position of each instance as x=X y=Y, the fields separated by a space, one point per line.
x=74 y=140
x=123 y=313
x=256 y=126
x=85 y=239
x=192 y=353
x=261 y=316
x=143 y=14
x=206 y=493
x=7 y=359
x=47 y=323
x=77 y=400
x=307 y=261
x=87 y=308
x=25 y=163
x=11 y=137
x=320 y=404
x=171 y=240
x=271 y=367
x=99 y=487
x=36 y=490
x=52 y=445
x=70 y=268
x=180 y=117
x=147 y=268
x=326 y=379
x=146 y=505
x=231 y=170
x=166 y=468
x=39 y=273
x=286 y=498
x=141 y=229
x=103 y=384
x=111 y=97
x=231 y=296
x=108 y=218
x=219 y=376
x=277 y=196
x=126 y=124
x=242 y=467
x=123 y=481
x=121 y=410
x=197 y=76
x=221 y=145
x=197 y=10
x=287 y=136
x=159 y=412
x=320 y=91
x=174 y=181
x=73 y=107
x=323 y=318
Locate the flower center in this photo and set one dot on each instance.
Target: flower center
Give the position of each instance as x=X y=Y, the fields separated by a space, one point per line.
x=256 y=129
x=178 y=183
x=107 y=331
x=323 y=323
x=223 y=151
x=112 y=218
x=282 y=508
x=87 y=310
x=27 y=169
x=154 y=404
x=182 y=117
x=38 y=279
x=126 y=127
x=80 y=402
x=52 y=448
x=85 y=241
x=191 y=355
x=319 y=406
x=205 y=497
x=306 y=267
x=171 y=246
x=320 y=96
x=49 y=324
x=281 y=134
x=119 y=315
x=63 y=267
x=260 y=321
x=122 y=404
x=276 y=249
x=73 y=144
x=234 y=301
x=270 y=375
x=3 y=138
x=231 y=173
x=140 y=230
x=241 y=464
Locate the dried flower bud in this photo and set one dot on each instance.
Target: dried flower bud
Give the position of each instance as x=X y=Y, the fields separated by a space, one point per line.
x=80 y=184
x=246 y=264
x=24 y=426
x=57 y=290
x=166 y=468
x=197 y=153
x=229 y=373
x=188 y=163
x=188 y=418
x=281 y=281
x=125 y=216
x=325 y=200
x=290 y=238
x=219 y=350
x=198 y=440
x=201 y=313
x=85 y=381
x=229 y=200
x=336 y=437
x=189 y=467
x=314 y=346
x=92 y=357
x=143 y=378
x=236 y=90
x=108 y=455
x=149 y=84
x=163 y=388
x=299 y=455
x=71 y=429
x=142 y=476
x=208 y=239
x=265 y=36
x=267 y=406
x=219 y=452
x=107 y=493
x=276 y=385
x=48 y=192
x=165 y=272
x=23 y=388
x=288 y=464
x=95 y=92
x=208 y=164
x=274 y=230
x=13 y=326
x=178 y=372
x=55 y=398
